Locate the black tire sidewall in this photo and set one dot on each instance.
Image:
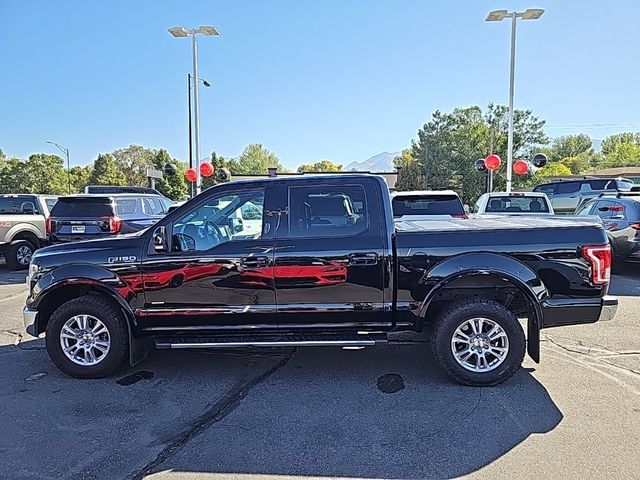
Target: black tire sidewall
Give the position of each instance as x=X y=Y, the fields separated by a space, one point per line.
x=452 y=318
x=110 y=315
x=12 y=255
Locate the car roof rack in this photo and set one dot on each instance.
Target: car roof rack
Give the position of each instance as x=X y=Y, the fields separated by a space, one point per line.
x=620 y=194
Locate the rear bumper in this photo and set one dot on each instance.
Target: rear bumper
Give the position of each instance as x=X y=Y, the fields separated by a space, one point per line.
x=559 y=312
x=30 y=319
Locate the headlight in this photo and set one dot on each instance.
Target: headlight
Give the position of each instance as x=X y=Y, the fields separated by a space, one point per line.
x=34 y=268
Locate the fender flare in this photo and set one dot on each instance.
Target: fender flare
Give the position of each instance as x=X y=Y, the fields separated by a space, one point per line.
x=501 y=266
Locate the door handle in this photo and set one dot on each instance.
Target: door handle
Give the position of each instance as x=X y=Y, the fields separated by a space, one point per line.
x=363 y=259
x=254 y=262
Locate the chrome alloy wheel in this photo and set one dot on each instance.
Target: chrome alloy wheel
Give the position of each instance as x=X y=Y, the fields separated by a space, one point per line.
x=480 y=345
x=24 y=254
x=85 y=340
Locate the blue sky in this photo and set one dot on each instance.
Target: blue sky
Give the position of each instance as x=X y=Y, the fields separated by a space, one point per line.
x=340 y=80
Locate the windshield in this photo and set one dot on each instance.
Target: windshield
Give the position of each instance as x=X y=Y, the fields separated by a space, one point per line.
x=427 y=205
x=83 y=207
x=519 y=204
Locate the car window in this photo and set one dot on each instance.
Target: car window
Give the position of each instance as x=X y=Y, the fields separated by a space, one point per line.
x=10 y=205
x=218 y=221
x=527 y=204
x=624 y=185
x=549 y=188
x=126 y=206
x=597 y=184
x=604 y=209
x=585 y=209
x=50 y=202
x=83 y=207
x=427 y=205
x=330 y=211
x=153 y=206
x=568 y=187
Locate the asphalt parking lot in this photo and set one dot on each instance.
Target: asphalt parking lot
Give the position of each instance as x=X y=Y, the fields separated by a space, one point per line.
x=385 y=412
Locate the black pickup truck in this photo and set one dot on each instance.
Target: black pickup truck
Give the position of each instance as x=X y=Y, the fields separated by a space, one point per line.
x=318 y=261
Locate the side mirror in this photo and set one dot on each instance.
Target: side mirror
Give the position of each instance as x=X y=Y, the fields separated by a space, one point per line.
x=160 y=239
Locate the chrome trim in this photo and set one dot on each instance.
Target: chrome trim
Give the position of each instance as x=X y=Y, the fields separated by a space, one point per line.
x=196 y=311
x=273 y=326
x=30 y=319
x=258 y=343
x=609 y=308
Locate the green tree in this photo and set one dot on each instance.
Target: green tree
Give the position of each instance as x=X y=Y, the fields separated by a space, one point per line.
x=623 y=155
x=80 y=177
x=14 y=177
x=174 y=187
x=568 y=146
x=610 y=143
x=449 y=143
x=46 y=174
x=106 y=172
x=321 y=166
x=255 y=160
x=410 y=172
x=133 y=162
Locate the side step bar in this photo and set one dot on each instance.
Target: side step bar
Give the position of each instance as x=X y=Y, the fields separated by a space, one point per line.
x=338 y=340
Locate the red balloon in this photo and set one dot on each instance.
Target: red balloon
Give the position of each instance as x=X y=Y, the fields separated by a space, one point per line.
x=520 y=167
x=492 y=162
x=206 y=169
x=191 y=174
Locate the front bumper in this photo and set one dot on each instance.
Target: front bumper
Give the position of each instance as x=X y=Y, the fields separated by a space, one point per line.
x=30 y=319
x=569 y=311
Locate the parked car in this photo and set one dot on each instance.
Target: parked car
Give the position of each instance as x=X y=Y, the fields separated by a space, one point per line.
x=113 y=189
x=427 y=204
x=23 y=221
x=567 y=195
x=620 y=214
x=191 y=281
x=85 y=217
x=515 y=203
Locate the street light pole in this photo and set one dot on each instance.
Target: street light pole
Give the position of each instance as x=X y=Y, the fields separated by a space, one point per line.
x=190 y=135
x=183 y=32
x=66 y=152
x=496 y=16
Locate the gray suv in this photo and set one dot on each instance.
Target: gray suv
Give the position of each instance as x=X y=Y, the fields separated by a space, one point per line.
x=567 y=195
x=23 y=220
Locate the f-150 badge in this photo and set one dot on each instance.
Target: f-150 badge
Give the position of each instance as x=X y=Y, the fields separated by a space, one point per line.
x=129 y=259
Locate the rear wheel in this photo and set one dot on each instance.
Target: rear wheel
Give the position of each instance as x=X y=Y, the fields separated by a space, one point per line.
x=87 y=337
x=19 y=255
x=478 y=342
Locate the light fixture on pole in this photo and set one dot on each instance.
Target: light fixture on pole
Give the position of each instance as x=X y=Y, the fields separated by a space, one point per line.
x=497 y=16
x=206 y=84
x=181 y=32
x=66 y=152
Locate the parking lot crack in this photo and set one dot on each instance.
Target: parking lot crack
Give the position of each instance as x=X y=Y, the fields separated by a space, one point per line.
x=222 y=408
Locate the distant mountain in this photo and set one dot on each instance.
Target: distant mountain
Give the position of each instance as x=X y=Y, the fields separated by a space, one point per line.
x=383 y=162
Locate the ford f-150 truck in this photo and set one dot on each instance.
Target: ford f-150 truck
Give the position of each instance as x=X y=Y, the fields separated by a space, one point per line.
x=327 y=267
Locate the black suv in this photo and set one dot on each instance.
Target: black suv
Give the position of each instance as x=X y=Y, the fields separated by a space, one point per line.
x=620 y=214
x=567 y=195
x=85 y=217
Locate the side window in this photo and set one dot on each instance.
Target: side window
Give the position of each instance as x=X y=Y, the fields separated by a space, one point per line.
x=598 y=184
x=153 y=206
x=126 y=206
x=50 y=202
x=549 y=189
x=329 y=211
x=585 y=209
x=568 y=187
x=604 y=209
x=250 y=212
x=218 y=221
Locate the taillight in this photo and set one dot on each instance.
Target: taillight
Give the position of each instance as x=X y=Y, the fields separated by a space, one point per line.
x=115 y=224
x=48 y=226
x=635 y=226
x=599 y=256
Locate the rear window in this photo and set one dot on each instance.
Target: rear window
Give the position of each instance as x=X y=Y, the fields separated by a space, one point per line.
x=427 y=205
x=526 y=204
x=568 y=187
x=83 y=207
x=18 y=206
x=154 y=206
x=549 y=188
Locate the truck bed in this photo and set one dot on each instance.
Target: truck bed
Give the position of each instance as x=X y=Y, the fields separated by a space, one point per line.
x=497 y=222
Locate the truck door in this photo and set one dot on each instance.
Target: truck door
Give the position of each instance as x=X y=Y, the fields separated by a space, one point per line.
x=330 y=257
x=219 y=273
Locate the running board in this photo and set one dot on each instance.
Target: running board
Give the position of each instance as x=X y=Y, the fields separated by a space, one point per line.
x=337 y=340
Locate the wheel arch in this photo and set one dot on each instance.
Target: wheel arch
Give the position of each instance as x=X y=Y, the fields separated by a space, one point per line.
x=507 y=270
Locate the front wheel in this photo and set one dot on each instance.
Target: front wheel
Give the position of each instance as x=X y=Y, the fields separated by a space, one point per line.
x=87 y=337
x=478 y=342
x=19 y=255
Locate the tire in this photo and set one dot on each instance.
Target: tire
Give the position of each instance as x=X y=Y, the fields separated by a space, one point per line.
x=19 y=255
x=467 y=315
x=93 y=309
